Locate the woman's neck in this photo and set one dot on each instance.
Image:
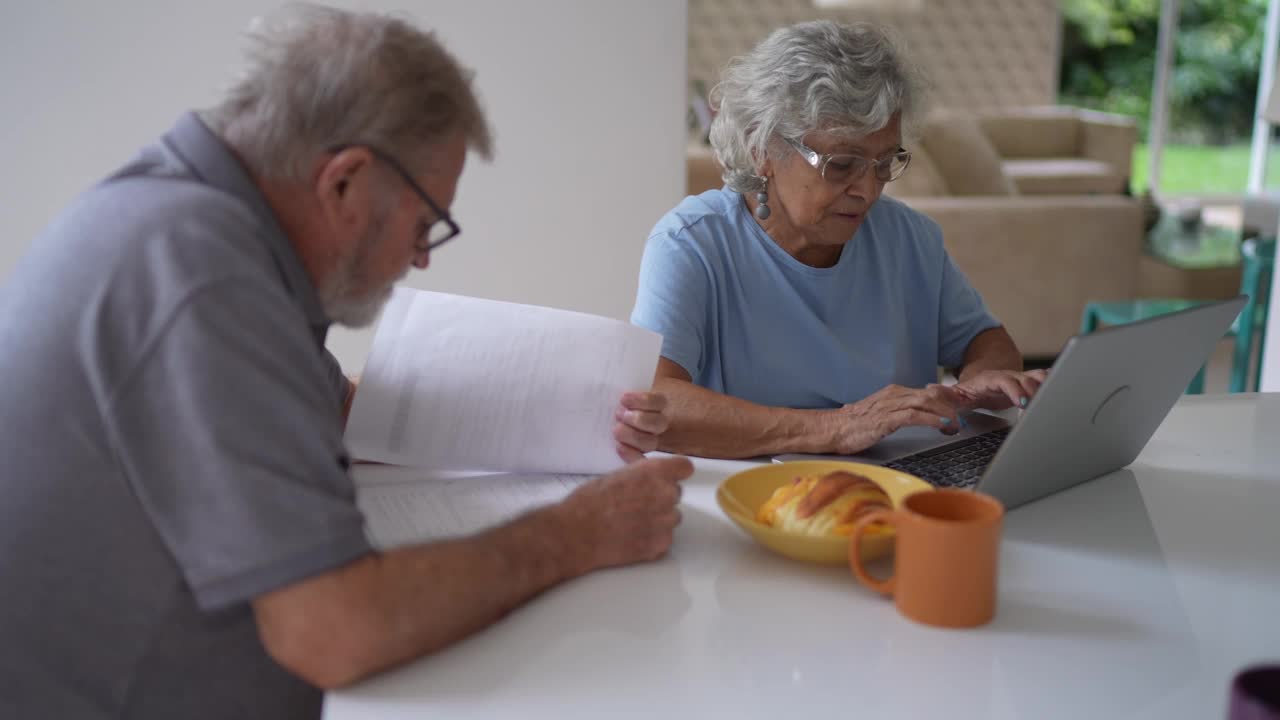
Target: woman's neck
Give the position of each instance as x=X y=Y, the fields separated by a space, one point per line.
x=791 y=239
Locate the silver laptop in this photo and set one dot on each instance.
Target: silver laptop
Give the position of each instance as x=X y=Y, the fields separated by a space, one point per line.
x=1106 y=394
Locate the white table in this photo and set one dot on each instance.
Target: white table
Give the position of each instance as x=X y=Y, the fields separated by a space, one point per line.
x=1137 y=595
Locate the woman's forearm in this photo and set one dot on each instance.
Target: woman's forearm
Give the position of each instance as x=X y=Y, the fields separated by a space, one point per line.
x=710 y=424
x=991 y=349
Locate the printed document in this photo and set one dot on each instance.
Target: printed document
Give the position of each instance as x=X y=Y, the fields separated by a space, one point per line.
x=411 y=505
x=478 y=411
x=463 y=383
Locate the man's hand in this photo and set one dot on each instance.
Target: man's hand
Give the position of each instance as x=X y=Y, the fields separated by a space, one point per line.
x=999 y=389
x=860 y=425
x=640 y=418
x=626 y=517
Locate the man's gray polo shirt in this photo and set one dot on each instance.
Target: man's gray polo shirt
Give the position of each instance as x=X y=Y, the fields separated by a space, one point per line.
x=172 y=448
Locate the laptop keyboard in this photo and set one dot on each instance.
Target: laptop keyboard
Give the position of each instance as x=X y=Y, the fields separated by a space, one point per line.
x=958 y=464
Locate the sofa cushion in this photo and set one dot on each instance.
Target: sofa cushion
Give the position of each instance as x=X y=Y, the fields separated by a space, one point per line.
x=921 y=179
x=1063 y=176
x=965 y=157
x=1034 y=132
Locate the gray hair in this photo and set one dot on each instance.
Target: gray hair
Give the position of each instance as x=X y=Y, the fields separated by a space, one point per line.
x=319 y=77
x=851 y=78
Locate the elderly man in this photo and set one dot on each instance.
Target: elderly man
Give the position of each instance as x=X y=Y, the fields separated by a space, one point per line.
x=178 y=537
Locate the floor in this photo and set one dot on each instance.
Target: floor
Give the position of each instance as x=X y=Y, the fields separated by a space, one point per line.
x=1219 y=369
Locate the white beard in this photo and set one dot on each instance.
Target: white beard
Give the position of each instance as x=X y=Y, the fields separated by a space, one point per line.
x=344 y=296
x=358 y=312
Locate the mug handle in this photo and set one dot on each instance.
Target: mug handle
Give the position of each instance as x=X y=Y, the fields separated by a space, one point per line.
x=855 y=551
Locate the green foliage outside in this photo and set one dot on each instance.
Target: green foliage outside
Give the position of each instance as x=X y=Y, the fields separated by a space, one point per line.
x=1108 y=63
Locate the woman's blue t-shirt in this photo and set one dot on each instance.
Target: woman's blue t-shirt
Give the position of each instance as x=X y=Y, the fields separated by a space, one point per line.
x=746 y=319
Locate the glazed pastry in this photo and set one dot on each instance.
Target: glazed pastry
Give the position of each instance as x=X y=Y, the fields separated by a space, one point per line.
x=828 y=505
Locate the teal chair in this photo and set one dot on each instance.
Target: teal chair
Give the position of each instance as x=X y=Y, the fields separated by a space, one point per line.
x=1249 y=329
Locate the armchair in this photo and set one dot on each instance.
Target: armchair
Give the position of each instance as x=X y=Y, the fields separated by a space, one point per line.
x=1062 y=150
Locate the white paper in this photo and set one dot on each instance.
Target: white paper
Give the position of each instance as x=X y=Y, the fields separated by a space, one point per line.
x=403 y=506
x=368 y=474
x=463 y=383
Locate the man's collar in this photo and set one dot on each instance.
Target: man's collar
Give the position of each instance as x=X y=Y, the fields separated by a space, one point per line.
x=213 y=162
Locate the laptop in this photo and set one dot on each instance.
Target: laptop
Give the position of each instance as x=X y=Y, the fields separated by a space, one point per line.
x=1105 y=396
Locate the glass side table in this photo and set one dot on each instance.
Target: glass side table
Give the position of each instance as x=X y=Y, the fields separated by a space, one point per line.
x=1192 y=248
x=1198 y=262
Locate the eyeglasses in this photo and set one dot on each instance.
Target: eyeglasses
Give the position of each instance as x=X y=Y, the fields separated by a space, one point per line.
x=439 y=231
x=838 y=169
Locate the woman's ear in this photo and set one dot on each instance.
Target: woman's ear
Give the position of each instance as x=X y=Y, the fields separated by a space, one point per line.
x=765 y=165
x=765 y=169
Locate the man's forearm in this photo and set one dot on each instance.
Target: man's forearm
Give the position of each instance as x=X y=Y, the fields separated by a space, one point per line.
x=398 y=605
x=711 y=424
x=433 y=596
x=991 y=349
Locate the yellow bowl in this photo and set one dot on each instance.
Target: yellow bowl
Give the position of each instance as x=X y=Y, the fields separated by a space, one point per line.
x=742 y=494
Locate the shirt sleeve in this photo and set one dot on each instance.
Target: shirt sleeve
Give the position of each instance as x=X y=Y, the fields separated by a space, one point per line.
x=228 y=433
x=337 y=379
x=673 y=300
x=961 y=316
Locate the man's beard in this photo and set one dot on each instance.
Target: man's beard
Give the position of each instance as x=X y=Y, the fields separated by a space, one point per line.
x=345 y=295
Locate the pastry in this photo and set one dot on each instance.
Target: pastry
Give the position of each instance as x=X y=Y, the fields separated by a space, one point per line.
x=829 y=505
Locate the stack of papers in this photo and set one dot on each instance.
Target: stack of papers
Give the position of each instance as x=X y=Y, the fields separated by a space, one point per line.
x=411 y=505
x=486 y=409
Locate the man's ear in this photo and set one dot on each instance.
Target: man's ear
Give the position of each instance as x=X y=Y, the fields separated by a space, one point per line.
x=343 y=184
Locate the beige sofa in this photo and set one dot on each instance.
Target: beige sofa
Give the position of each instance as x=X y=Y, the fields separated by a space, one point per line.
x=1032 y=208
x=1036 y=258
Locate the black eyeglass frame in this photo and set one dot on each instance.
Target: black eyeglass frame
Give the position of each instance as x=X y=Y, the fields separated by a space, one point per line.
x=442 y=215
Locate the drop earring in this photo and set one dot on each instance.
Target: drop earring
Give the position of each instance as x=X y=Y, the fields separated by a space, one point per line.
x=762 y=210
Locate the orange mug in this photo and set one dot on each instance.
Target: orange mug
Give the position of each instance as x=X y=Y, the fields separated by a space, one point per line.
x=947 y=550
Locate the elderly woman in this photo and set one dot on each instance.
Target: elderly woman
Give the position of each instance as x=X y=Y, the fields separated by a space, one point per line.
x=800 y=310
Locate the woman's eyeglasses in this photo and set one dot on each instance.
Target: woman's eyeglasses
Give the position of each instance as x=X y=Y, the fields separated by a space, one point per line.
x=839 y=168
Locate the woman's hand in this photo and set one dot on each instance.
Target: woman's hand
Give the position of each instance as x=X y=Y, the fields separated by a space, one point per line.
x=999 y=389
x=860 y=425
x=640 y=419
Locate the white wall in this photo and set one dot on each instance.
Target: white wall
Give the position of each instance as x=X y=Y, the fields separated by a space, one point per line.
x=586 y=98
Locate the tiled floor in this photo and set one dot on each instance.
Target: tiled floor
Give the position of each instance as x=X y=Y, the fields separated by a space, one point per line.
x=1219 y=371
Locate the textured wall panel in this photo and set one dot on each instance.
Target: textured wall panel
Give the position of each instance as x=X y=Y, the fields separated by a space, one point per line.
x=977 y=53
